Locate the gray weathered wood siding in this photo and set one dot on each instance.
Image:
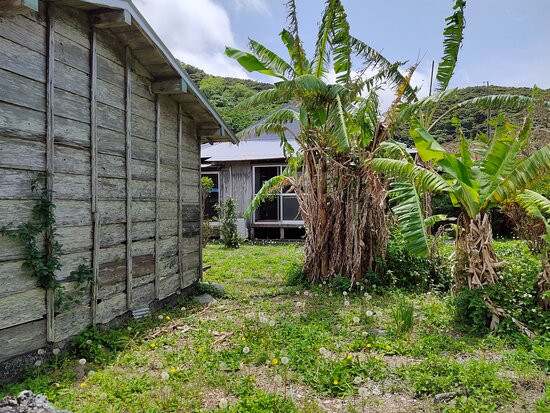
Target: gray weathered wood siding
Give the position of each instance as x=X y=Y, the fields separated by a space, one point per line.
x=106 y=170
x=236 y=182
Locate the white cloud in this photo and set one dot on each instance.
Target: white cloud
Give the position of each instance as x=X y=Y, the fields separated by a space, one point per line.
x=254 y=5
x=386 y=95
x=195 y=31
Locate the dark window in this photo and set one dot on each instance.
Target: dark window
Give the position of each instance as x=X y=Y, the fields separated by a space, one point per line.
x=213 y=196
x=269 y=209
x=283 y=206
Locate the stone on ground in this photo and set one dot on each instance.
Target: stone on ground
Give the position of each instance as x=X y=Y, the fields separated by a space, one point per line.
x=28 y=402
x=204 y=299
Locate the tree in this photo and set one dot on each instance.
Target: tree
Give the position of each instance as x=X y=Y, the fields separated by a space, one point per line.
x=342 y=200
x=476 y=180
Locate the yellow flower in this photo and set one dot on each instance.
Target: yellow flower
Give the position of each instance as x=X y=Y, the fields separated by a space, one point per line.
x=83 y=384
x=200 y=350
x=275 y=361
x=377 y=358
x=243 y=338
x=335 y=382
x=173 y=371
x=152 y=345
x=369 y=345
x=349 y=357
x=387 y=347
x=168 y=317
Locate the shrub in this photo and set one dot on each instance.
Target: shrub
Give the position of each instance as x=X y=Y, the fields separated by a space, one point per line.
x=410 y=272
x=227 y=217
x=295 y=276
x=340 y=283
x=515 y=292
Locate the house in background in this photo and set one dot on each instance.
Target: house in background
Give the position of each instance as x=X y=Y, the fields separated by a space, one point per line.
x=239 y=171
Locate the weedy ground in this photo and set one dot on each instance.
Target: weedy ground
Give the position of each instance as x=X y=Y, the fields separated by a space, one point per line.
x=269 y=347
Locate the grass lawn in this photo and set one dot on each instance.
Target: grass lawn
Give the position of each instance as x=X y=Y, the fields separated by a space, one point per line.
x=268 y=347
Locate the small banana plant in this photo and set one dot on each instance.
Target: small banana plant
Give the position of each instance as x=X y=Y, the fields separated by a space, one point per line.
x=538 y=206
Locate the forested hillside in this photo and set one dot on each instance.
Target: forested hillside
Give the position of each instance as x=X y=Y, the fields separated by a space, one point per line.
x=474 y=120
x=226 y=92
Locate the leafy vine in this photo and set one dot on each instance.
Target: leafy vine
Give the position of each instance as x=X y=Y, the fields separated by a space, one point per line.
x=43 y=263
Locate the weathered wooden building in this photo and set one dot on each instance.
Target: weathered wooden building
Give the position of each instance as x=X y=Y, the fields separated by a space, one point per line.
x=91 y=96
x=239 y=171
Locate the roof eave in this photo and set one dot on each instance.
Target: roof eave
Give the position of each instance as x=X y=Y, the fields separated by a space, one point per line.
x=225 y=131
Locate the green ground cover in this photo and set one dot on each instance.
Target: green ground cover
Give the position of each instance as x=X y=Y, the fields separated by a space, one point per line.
x=267 y=346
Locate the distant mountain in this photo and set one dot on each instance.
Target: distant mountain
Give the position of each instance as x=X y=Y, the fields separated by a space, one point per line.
x=474 y=120
x=226 y=92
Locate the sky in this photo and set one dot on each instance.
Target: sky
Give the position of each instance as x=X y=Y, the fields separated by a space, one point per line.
x=507 y=42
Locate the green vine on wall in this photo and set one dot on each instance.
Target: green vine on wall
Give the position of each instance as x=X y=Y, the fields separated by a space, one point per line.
x=43 y=263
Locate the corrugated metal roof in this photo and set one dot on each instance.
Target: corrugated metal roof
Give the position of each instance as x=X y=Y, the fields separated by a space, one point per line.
x=263 y=147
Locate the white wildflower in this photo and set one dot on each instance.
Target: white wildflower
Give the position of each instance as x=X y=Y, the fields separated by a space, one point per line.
x=91 y=373
x=223 y=403
x=56 y=351
x=103 y=396
x=164 y=375
x=330 y=293
x=297 y=292
x=272 y=323
x=345 y=293
x=89 y=342
x=246 y=350
x=183 y=308
x=369 y=313
x=356 y=320
x=346 y=303
x=284 y=360
x=38 y=363
x=82 y=362
x=306 y=293
x=357 y=380
x=263 y=320
x=161 y=317
x=41 y=352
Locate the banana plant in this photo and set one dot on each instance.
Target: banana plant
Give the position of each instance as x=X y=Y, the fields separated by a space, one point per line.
x=339 y=129
x=538 y=206
x=476 y=180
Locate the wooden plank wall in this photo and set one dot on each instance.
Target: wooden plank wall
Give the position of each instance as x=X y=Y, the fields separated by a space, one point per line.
x=116 y=167
x=236 y=180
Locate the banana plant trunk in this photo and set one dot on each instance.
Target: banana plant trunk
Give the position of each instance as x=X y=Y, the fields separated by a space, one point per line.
x=477 y=262
x=344 y=217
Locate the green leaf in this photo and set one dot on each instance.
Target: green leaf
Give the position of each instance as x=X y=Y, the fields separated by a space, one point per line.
x=424 y=179
x=250 y=62
x=407 y=207
x=271 y=60
x=527 y=172
x=453 y=36
x=426 y=145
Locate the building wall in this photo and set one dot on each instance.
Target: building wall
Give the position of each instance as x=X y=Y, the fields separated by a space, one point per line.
x=109 y=164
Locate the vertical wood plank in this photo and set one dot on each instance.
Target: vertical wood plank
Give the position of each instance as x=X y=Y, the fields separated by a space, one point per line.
x=50 y=155
x=94 y=171
x=157 y=197
x=180 y=196
x=201 y=208
x=128 y=98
